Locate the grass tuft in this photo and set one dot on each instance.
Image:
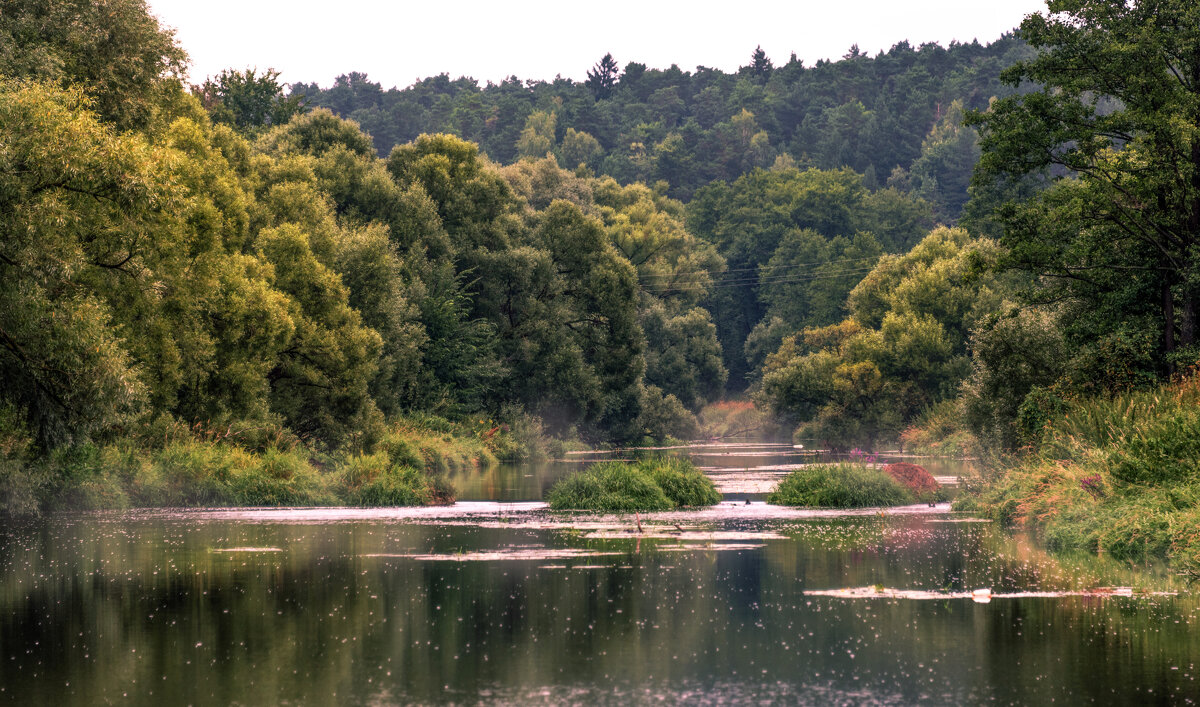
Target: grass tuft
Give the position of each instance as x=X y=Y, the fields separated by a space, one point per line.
x=843 y=485
x=657 y=484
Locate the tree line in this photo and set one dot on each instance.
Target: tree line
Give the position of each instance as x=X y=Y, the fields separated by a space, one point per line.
x=604 y=256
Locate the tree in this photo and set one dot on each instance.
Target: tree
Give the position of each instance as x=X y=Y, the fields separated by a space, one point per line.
x=1114 y=120
x=537 y=138
x=903 y=348
x=760 y=64
x=115 y=50
x=249 y=100
x=603 y=77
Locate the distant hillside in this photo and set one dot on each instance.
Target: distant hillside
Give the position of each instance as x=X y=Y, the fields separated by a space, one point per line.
x=690 y=128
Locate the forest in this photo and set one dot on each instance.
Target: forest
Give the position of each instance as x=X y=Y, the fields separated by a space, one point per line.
x=240 y=291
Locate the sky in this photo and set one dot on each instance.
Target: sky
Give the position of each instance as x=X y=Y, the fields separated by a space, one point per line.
x=398 y=43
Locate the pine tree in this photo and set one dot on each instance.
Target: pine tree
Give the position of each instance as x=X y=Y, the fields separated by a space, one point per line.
x=603 y=77
x=760 y=63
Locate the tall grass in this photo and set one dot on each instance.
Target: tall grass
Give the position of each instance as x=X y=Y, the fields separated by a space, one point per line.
x=1118 y=475
x=842 y=485
x=656 y=484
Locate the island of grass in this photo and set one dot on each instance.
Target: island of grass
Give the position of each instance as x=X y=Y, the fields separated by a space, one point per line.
x=658 y=484
x=845 y=485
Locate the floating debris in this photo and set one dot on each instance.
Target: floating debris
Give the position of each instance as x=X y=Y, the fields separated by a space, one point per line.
x=982 y=596
x=512 y=553
x=247 y=549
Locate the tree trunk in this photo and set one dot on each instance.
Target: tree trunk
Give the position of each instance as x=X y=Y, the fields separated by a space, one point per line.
x=1168 y=305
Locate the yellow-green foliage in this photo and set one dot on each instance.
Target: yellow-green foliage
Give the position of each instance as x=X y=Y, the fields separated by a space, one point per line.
x=1118 y=475
x=377 y=480
x=170 y=464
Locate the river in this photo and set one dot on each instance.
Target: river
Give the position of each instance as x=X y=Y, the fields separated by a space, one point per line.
x=497 y=600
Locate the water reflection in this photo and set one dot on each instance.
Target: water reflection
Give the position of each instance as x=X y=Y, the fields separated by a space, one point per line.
x=522 y=605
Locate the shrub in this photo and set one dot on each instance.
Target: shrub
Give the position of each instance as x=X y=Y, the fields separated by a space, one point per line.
x=841 y=485
x=665 y=417
x=609 y=486
x=916 y=479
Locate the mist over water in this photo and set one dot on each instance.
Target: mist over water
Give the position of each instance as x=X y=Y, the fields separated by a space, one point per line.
x=499 y=600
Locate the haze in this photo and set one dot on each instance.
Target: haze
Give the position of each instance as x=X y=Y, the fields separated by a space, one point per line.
x=399 y=43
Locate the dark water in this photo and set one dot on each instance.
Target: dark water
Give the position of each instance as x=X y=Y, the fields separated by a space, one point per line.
x=507 y=602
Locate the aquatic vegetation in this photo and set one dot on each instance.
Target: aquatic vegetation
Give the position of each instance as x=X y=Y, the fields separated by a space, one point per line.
x=681 y=481
x=844 y=485
x=608 y=486
x=656 y=484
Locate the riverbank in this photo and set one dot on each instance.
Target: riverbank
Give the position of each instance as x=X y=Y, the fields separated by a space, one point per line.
x=172 y=466
x=1118 y=476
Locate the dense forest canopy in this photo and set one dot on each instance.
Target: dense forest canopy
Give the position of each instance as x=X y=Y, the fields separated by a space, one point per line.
x=892 y=117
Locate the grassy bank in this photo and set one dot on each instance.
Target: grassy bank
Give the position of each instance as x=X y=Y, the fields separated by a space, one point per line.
x=170 y=465
x=656 y=484
x=1119 y=476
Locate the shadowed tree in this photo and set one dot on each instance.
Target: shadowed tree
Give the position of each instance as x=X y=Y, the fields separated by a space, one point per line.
x=603 y=77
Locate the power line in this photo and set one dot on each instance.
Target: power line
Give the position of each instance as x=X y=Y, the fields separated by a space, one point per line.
x=782 y=281
x=760 y=268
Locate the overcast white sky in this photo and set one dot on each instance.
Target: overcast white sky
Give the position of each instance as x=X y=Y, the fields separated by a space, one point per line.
x=397 y=43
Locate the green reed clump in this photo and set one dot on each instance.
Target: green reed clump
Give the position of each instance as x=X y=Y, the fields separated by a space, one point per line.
x=681 y=481
x=843 y=485
x=656 y=484
x=608 y=486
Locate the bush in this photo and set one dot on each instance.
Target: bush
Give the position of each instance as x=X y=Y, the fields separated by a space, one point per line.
x=916 y=479
x=609 y=486
x=377 y=480
x=841 y=485
x=665 y=417
x=1118 y=475
x=681 y=481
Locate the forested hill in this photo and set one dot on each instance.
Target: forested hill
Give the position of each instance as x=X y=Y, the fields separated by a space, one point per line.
x=872 y=114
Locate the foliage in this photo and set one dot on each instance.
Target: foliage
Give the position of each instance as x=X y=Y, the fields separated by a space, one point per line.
x=904 y=347
x=608 y=486
x=939 y=431
x=248 y=100
x=733 y=419
x=115 y=50
x=796 y=243
x=1113 y=120
x=655 y=484
x=681 y=481
x=689 y=128
x=1013 y=354
x=844 y=485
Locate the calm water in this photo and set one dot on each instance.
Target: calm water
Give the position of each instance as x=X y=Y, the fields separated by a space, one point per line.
x=507 y=602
